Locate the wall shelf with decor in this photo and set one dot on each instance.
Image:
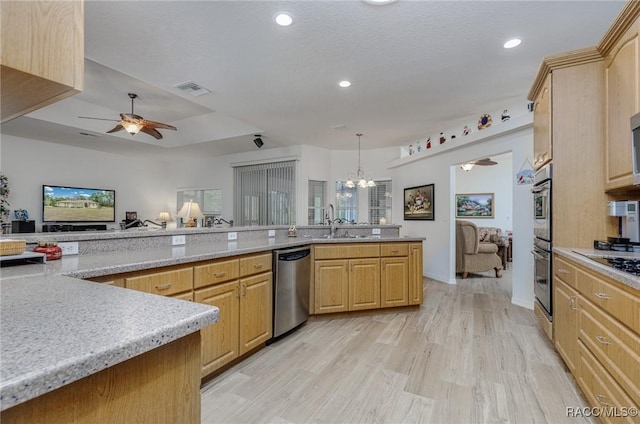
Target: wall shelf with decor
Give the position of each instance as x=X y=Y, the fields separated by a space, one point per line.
x=497 y=130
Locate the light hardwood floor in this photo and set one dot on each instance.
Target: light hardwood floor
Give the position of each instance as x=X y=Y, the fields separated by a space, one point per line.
x=467 y=356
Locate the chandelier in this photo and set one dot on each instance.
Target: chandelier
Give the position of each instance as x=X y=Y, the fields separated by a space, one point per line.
x=359 y=176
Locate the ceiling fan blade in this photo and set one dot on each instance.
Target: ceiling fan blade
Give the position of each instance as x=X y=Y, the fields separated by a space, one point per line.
x=100 y=119
x=151 y=132
x=484 y=162
x=115 y=129
x=154 y=124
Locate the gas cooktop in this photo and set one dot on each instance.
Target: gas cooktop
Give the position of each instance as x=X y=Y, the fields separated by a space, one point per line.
x=630 y=265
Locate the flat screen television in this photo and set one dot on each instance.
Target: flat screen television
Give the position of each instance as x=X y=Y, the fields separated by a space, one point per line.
x=77 y=204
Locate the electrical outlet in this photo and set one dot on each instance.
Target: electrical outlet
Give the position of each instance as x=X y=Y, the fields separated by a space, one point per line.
x=232 y=236
x=375 y=231
x=178 y=240
x=69 y=248
x=272 y=233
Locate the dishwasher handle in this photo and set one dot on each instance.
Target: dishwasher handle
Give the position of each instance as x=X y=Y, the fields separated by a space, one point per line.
x=294 y=255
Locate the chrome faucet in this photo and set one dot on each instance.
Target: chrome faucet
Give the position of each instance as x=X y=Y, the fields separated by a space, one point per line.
x=332 y=221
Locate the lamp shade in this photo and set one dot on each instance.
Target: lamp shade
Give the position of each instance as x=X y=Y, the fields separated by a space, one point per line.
x=164 y=217
x=618 y=208
x=190 y=209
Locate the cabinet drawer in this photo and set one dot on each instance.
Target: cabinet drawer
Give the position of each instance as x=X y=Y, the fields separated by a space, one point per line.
x=617 y=302
x=347 y=251
x=165 y=283
x=255 y=264
x=215 y=272
x=617 y=348
x=565 y=271
x=394 y=249
x=601 y=389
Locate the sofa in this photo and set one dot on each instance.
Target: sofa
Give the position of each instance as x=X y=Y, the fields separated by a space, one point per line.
x=471 y=254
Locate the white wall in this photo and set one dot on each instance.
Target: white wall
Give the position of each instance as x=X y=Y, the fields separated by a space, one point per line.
x=141 y=185
x=496 y=179
x=439 y=250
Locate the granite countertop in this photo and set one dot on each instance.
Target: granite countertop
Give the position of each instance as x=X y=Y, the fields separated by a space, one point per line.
x=56 y=328
x=581 y=256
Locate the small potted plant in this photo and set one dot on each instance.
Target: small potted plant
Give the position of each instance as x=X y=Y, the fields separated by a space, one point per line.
x=4 y=204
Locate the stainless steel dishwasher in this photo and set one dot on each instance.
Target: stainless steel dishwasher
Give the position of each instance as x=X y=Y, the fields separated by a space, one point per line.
x=292 y=271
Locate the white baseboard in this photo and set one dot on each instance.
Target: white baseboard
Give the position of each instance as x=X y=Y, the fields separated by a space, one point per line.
x=440 y=278
x=522 y=302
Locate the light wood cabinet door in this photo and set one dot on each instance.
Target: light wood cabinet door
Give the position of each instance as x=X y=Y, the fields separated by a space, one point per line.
x=165 y=283
x=394 y=286
x=416 y=291
x=542 y=130
x=622 y=95
x=565 y=322
x=42 y=54
x=256 y=307
x=220 y=341
x=331 y=283
x=364 y=284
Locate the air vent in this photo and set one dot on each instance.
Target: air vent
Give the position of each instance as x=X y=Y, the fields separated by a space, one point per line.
x=192 y=88
x=86 y=134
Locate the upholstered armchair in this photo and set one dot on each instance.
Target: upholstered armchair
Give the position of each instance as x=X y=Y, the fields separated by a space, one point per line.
x=471 y=255
x=494 y=235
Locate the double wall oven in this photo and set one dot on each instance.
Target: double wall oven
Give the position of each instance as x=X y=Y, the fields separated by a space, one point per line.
x=542 y=240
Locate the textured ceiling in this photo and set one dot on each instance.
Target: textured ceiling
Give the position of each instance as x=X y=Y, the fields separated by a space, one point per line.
x=415 y=66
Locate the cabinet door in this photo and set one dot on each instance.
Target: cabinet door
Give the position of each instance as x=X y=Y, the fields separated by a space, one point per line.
x=415 y=274
x=542 y=153
x=256 y=309
x=220 y=340
x=364 y=284
x=622 y=93
x=394 y=286
x=331 y=286
x=565 y=322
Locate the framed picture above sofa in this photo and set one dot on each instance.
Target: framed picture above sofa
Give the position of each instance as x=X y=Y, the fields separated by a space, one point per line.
x=475 y=205
x=418 y=203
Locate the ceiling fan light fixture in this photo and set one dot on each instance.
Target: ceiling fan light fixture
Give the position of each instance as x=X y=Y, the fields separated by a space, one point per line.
x=132 y=128
x=466 y=167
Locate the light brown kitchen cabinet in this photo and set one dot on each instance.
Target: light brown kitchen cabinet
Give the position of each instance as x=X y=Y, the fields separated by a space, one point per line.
x=165 y=283
x=622 y=100
x=241 y=288
x=542 y=131
x=416 y=290
x=394 y=283
x=331 y=286
x=597 y=333
x=42 y=58
x=364 y=284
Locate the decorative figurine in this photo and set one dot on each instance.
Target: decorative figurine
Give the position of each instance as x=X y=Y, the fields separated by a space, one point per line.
x=418 y=147
x=410 y=149
x=505 y=115
x=466 y=130
x=453 y=136
x=429 y=143
x=484 y=121
x=442 y=138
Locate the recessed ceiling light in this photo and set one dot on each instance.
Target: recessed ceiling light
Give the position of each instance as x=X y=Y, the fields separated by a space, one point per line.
x=344 y=84
x=379 y=2
x=512 y=43
x=284 y=19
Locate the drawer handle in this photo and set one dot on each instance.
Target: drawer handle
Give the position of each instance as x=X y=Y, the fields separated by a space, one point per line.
x=219 y=274
x=600 y=399
x=603 y=340
x=602 y=295
x=394 y=250
x=564 y=271
x=163 y=286
x=257 y=266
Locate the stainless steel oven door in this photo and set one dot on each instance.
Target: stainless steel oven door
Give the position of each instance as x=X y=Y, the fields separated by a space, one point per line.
x=542 y=278
x=542 y=210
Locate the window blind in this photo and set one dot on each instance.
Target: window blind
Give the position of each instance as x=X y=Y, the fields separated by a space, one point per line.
x=380 y=202
x=265 y=194
x=346 y=202
x=317 y=201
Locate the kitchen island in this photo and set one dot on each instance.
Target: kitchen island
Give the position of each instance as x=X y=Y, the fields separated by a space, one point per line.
x=99 y=326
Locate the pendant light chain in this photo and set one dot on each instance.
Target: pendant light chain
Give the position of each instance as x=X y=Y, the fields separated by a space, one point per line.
x=362 y=181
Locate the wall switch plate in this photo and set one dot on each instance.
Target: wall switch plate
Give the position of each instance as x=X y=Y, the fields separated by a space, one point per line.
x=272 y=233
x=179 y=240
x=375 y=231
x=232 y=236
x=69 y=248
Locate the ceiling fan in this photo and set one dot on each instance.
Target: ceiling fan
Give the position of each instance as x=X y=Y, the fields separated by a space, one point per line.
x=134 y=124
x=482 y=162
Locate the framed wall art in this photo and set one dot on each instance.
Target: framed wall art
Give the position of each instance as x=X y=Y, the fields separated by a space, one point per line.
x=475 y=205
x=418 y=203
